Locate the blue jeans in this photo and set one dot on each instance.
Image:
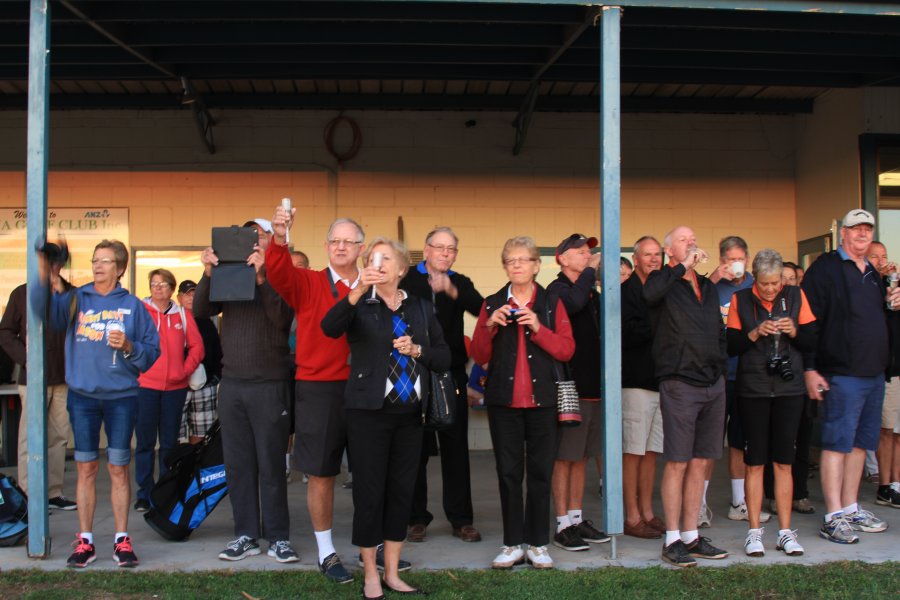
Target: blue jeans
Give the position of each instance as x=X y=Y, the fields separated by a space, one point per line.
x=117 y=416
x=158 y=413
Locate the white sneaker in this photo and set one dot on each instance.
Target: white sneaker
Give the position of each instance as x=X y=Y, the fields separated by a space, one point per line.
x=787 y=543
x=539 y=558
x=740 y=513
x=704 y=519
x=509 y=557
x=753 y=545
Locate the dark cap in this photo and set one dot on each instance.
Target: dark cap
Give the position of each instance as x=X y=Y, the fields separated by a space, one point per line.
x=576 y=240
x=186 y=286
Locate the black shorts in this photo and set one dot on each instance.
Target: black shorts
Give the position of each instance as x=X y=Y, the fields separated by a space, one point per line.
x=693 y=419
x=320 y=427
x=770 y=428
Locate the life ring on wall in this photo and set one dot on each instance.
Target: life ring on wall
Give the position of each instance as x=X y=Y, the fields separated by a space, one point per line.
x=349 y=153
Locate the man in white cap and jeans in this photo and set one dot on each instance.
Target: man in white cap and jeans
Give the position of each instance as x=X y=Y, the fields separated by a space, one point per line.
x=847 y=371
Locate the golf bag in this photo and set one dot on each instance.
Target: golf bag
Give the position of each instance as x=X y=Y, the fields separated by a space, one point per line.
x=13 y=512
x=188 y=493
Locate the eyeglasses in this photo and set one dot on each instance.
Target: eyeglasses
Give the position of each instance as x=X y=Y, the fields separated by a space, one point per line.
x=102 y=261
x=159 y=285
x=518 y=261
x=339 y=243
x=442 y=249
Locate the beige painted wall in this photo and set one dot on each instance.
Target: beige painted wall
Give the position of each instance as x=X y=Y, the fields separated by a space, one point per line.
x=721 y=174
x=828 y=161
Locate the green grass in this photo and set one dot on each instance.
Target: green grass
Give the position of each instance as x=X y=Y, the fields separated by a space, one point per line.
x=851 y=580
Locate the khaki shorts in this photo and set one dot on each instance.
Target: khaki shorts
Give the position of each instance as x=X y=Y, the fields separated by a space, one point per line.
x=642 y=428
x=891 y=407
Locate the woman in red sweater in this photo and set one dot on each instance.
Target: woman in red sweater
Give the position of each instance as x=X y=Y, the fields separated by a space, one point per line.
x=164 y=387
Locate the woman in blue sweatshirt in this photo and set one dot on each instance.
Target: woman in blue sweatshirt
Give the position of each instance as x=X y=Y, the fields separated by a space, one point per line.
x=110 y=340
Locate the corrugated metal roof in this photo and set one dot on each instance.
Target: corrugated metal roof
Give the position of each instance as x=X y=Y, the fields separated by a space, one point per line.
x=441 y=55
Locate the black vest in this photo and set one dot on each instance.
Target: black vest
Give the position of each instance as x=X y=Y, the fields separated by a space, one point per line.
x=498 y=389
x=753 y=380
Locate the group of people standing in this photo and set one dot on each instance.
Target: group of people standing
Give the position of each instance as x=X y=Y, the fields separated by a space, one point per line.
x=369 y=333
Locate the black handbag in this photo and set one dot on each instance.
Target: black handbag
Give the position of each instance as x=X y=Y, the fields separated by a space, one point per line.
x=439 y=407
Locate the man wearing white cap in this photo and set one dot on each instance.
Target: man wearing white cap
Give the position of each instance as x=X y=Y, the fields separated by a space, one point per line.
x=847 y=371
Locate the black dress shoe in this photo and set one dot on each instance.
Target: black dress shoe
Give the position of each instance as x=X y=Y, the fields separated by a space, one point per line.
x=412 y=592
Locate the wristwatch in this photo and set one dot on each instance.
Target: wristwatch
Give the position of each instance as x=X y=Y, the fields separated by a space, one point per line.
x=128 y=354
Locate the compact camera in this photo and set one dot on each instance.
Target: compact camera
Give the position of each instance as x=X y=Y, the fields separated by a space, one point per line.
x=513 y=315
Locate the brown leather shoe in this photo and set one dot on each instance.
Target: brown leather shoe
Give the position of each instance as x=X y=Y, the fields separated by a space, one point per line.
x=415 y=533
x=657 y=524
x=467 y=533
x=642 y=530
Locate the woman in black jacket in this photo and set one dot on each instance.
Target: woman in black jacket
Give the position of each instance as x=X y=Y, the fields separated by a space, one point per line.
x=769 y=326
x=394 y=340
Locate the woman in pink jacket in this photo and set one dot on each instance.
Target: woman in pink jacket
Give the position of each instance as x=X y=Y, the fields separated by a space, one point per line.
x=164 y=387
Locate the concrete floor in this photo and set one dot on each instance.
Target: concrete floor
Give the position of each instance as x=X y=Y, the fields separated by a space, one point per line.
x=441 y=550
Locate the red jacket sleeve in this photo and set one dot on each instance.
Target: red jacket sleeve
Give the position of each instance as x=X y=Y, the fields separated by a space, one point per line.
x=483 y=338
x=195 y=349
x=292 y=284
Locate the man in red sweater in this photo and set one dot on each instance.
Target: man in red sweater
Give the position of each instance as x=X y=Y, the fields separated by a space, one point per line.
x=322 y=369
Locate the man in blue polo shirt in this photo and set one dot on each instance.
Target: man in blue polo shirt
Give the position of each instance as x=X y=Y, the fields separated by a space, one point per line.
x=847 y=370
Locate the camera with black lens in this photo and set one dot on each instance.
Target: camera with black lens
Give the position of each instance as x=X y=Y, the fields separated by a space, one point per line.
x=780 y=365
x=513 y=315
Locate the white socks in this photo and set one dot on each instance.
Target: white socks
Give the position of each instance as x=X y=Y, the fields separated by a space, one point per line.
x=87 y=535
x=326 y=546
x=575 y=516
x=850 y=509
x=672 y=537
x=688 y=537
x=831 y=516
x=562 y=522
x=120 y=535
x=737 y=492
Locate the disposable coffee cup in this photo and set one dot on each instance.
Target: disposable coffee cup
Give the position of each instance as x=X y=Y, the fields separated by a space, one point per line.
x=737 y=268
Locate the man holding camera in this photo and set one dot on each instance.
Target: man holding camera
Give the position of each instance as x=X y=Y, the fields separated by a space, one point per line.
x=847 y=371
x=12 y=339
x=689 y=353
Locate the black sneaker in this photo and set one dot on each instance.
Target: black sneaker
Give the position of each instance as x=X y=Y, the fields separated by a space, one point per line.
x=676 y=554
x=283 y=552
x=402 y=565
x=333 y=569
x=62 y=503
x=124 y=554
x=568 y=539
x=83 y=555
x=240 y=548
x=142 y=505
x=887 y=496
x=701 y=548
x=590 y=534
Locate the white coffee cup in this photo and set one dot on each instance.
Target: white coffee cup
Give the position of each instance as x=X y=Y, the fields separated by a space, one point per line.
x=738 y=268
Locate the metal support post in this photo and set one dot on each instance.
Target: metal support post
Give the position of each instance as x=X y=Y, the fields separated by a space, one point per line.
x=36 y=190
x=611 y=298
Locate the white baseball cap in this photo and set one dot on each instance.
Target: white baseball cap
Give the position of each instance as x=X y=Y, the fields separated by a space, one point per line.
x=858 y=216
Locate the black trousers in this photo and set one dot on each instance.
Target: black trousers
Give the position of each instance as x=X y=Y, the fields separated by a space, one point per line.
x=800 y=466
x=385 y=449
x=455 y=474
x=255 y=420
x=524 y=441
